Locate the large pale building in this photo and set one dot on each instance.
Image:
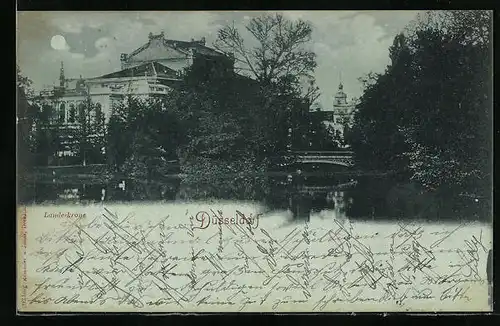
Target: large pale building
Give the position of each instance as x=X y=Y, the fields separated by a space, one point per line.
x=153 y=68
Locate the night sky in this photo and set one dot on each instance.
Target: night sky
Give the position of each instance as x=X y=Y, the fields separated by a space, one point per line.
x=346 y=42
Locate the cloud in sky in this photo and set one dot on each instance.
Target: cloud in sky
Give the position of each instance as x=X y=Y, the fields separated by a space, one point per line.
x=349 y=42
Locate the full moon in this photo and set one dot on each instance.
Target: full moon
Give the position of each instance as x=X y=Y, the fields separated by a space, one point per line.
x=58 y=42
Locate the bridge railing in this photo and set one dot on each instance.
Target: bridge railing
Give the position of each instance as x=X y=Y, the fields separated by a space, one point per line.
x=324 y=153
x=69 y=169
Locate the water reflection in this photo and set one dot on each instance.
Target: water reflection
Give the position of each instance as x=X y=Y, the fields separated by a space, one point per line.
x=61 y=193
x=327 y=197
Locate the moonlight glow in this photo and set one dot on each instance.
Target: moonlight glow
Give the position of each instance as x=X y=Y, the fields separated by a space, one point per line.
x=58 y=42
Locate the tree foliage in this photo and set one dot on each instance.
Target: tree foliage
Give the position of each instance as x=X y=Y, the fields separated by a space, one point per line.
x=222 y=152
x=24 y=118
x=226 y=130
x=279 y=51
x=428 y=115
x=142 y=137
x=24 y=121
x=46 y=138
x=87 y=138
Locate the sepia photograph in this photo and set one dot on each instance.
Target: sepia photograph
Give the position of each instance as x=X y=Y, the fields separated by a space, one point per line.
x=254 y=161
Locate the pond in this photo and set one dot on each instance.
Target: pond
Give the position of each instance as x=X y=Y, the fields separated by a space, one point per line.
x=339 y=195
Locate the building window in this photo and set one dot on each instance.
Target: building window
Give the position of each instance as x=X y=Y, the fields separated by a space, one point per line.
x=98 y=112
x=72 y=113
x=62 y=113
x=81 y=111
x=47 y=113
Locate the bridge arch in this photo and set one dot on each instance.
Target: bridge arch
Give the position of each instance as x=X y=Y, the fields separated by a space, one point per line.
x=324 y=161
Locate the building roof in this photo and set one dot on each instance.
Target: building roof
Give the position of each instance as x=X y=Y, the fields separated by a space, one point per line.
x=158 y=47
x=197 y=46
x=149 y=69
x=58 y=91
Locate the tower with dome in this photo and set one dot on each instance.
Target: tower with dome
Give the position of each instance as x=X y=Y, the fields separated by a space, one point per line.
x=340 y=115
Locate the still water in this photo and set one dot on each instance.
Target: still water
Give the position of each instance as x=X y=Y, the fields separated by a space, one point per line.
x=341 y=196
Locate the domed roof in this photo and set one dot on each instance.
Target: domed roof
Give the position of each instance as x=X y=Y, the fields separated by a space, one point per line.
x=340 y=92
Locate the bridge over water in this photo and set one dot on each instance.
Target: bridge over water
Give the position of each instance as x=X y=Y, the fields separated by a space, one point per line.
x=340 y=157
x=100 y=174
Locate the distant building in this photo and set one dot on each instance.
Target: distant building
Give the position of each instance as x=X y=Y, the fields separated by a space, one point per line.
x=154 y=68
x=340 y=115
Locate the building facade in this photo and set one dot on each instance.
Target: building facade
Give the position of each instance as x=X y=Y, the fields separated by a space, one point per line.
x=154 y=68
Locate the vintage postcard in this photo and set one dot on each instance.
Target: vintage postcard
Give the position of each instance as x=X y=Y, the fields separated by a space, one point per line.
x=294 y=161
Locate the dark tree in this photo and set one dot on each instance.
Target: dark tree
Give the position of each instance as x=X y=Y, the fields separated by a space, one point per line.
x=25 y=115
x=87 y=138
x=428 y=116
x=283 y=67
x=279 y=51
x=221 y=156
x=143 y=138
